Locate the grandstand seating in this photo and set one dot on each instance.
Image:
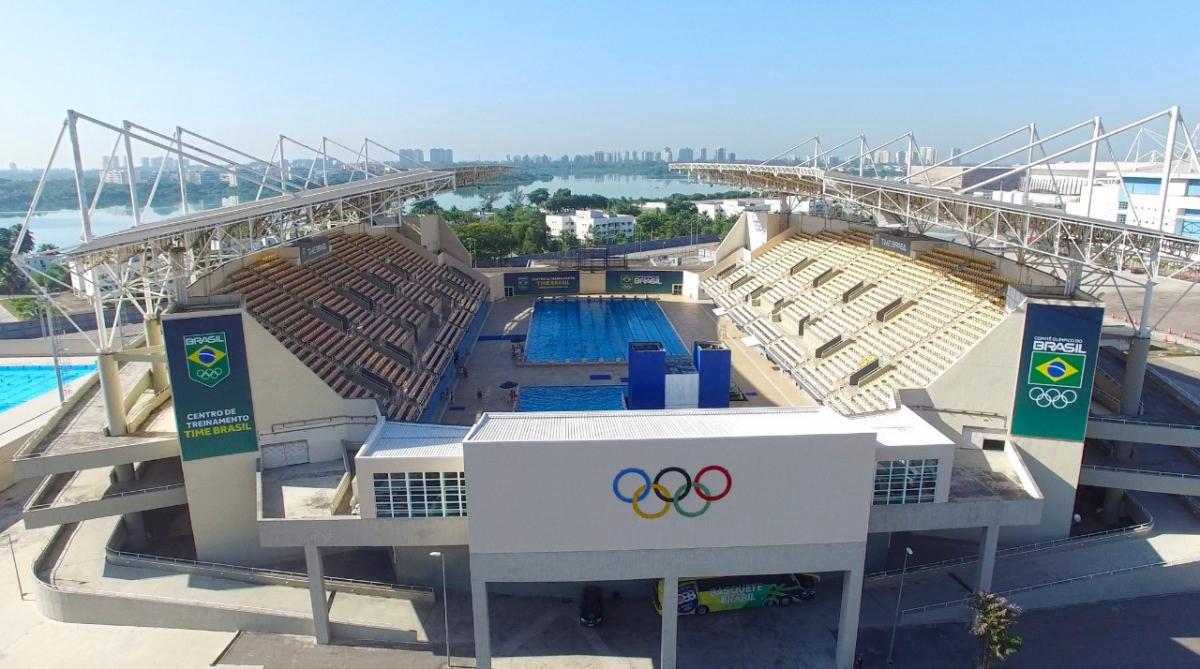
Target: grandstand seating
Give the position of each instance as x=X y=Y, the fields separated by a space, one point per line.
x=837 y=284
x=374 y=318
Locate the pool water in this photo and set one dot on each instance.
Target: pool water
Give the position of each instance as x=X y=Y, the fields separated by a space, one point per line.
x=21 y=383
x=571 y=398
x=596 y=330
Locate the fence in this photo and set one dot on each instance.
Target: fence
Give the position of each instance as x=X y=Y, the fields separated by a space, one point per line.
x=86 y=321
x=614 y=249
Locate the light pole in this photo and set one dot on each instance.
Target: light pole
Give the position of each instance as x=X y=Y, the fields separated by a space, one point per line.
x=446 y=603
x=899 y=595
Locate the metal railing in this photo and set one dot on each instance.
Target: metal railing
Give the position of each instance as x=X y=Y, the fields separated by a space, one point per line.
x=107 y=496
x=1150 y=472
x=1038 y=586
x=324 y=420
x=1141 y=421
x=1024 y=549
x=293 y=578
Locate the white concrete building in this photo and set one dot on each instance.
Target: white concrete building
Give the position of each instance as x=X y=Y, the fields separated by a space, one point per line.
x=591 y=223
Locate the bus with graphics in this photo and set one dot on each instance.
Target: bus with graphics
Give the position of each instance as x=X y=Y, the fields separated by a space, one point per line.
x=707 y=595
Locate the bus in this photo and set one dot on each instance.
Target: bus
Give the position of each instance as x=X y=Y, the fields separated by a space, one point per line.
x=706 y=595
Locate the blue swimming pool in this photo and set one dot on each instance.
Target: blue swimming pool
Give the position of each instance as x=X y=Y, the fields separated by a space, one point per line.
x=582 y=330
x=21 y=383
x=571 y=398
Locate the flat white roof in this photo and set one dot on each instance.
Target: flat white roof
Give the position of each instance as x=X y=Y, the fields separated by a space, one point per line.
x=415 y=440
x=899 y=428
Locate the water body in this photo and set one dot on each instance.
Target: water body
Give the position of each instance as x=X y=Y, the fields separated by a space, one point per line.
x=61 y=227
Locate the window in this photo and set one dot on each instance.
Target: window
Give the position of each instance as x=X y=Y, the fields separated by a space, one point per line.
x=1121 y=219
x=420 y=494
x=905 y=481
x=509 y=291
x=677 y=289
x=1123 y=204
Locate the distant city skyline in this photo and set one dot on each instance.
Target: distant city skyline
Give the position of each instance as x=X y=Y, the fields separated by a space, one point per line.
x=459 y=78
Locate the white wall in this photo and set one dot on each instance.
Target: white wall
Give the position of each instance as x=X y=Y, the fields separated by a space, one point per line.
x=786 y=490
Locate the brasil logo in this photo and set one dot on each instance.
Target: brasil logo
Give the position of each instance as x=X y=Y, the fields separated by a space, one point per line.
x=207 y=358
x=626 y=281
x=1061 y=370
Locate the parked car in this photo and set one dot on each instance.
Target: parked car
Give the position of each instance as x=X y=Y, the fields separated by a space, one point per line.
x=591 y=607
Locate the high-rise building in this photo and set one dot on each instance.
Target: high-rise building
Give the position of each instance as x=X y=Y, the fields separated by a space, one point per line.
x=719 y=155
x=12 y=167
x=703 y=155
x=441 y=156
x=409 y=157
x=110 y=163
x=882 y=157
x=928 y=155
x=732 y=157
x=667 y=155
x=900 y=158
x=686 y=155
x=955 y=152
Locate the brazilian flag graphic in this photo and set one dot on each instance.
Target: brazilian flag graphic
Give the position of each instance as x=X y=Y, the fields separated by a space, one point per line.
x=207 y=359
x=1061 y=370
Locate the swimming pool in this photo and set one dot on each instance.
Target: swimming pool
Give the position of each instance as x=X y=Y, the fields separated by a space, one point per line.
x=581 y=330
x=21 y=383
x=571 y=398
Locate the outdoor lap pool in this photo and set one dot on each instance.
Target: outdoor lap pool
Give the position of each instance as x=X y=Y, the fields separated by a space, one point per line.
x=571 y=398
x=596 y=330
x=21 y=383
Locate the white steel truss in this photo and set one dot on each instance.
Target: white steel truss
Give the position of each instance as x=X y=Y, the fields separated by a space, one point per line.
x=1035 y=234
x=142 y=266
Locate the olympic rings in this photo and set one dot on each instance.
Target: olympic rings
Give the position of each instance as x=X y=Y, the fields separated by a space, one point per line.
x=209 y=374
x=641 y=492
x=1052 y=397
x=686 y=487
x=700 y=488
x=690 y=483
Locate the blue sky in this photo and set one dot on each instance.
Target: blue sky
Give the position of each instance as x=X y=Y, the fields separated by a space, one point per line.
x=490 y=78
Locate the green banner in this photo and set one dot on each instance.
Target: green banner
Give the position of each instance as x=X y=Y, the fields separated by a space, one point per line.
x=542 y=283
x=210 y=385
x=1058 y=362
x=649 y=281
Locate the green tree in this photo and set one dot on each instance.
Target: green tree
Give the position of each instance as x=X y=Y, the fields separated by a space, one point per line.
x=487 y=201
x=429 y=206
x=538 y=196
x=991 y=625
x=516 y=197
x=23 y=308
x=12 y=280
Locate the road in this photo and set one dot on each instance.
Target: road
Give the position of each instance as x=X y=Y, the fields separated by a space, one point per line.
x=1151 y=631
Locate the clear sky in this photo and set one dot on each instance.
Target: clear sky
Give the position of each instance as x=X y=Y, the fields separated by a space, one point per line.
x=490 y=78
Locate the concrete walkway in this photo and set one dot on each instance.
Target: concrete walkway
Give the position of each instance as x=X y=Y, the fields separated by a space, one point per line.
x=1173 y=541
x=82 y=566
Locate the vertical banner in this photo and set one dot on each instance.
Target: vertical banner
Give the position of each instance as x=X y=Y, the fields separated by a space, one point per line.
x=1058 y=363
x=210 y=384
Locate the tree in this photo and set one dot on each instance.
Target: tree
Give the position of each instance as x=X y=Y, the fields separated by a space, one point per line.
x=538 y=196
x=46 y=247
x=23 y=308
x=991 y=625
x=488 y=200
x=425 y=207
x=516 y=198
x=11 y=278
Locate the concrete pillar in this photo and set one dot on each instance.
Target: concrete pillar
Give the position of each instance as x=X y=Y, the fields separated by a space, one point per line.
x=1131 y=398
x=482 y=624
x=110 y=386
x=670 y=620
x=986 y=566
x=135 y=526
x=847 y=636
x=316 y=592
x=158 y=370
